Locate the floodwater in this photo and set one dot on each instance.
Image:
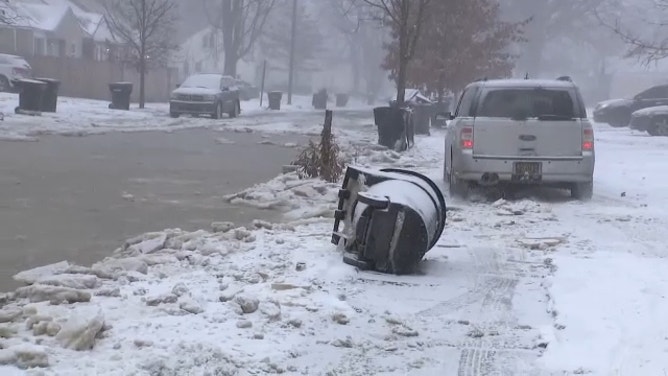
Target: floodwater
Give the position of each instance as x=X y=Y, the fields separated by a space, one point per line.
x=77 y=199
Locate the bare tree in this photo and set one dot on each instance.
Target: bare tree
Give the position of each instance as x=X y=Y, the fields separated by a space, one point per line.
x=147 y=28
x=552 y=20
x=241 y=23
x=364 y=39
x=649 y=48
x=405 y=19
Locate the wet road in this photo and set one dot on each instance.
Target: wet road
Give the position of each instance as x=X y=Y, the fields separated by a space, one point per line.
x=77 y=199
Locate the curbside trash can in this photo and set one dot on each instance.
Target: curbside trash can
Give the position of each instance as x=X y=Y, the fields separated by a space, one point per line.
x=391 y=218
x=120 y=95
x=50 y=97
x=30 y=95
x=395 y=130
x=440 y=114
x=422 y=118
x=319 y=100
x=342 y=100
x=275 y=98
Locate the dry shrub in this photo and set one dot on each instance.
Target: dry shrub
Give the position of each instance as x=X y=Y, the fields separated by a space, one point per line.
x=321 y=159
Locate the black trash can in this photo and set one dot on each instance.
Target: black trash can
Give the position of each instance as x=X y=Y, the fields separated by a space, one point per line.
x=275 y=98
x=120 y=95
x=422 y=118
x=342 y=100
x=31 y=93
x=391 y=218
x=440 y=112
x=50 y=97
x=319 y=100
x=395 y=129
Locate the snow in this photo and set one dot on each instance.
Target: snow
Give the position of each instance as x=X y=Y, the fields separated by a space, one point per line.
x=541 y=285
x=81 y=117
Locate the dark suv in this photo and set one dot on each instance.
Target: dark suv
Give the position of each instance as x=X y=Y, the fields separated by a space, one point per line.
x=206 y=94
x=617 y=112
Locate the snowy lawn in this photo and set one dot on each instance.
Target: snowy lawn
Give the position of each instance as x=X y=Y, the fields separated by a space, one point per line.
x=540 y=286
x=80 y=117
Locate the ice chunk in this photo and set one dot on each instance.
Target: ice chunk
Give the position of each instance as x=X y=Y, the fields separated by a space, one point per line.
x=33 y=275
x=79 y=331
x=53 y=294
x=74 y=281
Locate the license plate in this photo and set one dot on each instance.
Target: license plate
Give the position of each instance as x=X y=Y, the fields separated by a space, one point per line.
x=527 y=168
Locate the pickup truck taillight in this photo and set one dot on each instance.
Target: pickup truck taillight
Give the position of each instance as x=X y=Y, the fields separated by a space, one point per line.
x=466 y=138
x=587 y=139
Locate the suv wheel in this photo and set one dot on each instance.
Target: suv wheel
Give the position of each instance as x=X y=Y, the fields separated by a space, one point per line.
x=621 y=120
x=659 y=129
x=219 y=111
x=582 y=191
x=236 y=110
x=4 y=84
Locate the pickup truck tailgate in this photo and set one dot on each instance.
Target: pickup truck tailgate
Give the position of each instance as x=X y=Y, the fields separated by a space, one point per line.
x=498 y=137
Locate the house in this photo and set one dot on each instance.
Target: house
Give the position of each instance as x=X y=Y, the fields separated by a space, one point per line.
x=203 y=52
x=55 y=28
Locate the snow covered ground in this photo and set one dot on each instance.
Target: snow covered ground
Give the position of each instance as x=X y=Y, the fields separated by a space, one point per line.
x=80 y=117
x=539 y=286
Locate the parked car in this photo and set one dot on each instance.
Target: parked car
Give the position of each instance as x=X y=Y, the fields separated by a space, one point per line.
x=206 y=94
x=12 y=68
x=617 y=112
x=519 y=132
x=247 y=91
x=653 y=120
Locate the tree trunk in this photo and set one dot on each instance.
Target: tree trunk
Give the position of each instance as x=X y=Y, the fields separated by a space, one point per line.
x=231 y=61
x=401 y=81
x=142 y=81
x=229 y=26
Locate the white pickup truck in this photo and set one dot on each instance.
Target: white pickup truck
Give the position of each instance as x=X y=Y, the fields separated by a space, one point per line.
x=512 y=132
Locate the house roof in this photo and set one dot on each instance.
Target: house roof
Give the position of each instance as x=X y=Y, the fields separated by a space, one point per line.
x=47 y=15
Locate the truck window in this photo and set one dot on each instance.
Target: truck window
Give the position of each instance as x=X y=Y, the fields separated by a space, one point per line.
x=529 y=102
x=466 y=102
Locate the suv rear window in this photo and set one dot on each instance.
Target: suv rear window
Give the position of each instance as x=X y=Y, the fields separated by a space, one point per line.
x=556 y=104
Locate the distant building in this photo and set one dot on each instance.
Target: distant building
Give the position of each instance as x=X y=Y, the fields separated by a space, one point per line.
x=56 y=28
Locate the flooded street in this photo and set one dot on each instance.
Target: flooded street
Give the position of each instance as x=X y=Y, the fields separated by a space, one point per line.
x=78 y=198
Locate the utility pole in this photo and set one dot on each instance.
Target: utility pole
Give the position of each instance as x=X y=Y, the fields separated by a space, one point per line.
x=291 y=74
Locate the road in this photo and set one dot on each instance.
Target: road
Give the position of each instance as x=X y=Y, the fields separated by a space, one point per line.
x=78 y=198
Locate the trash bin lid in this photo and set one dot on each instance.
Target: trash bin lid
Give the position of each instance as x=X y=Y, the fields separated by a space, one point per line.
x=46 y=79
x=30 y=81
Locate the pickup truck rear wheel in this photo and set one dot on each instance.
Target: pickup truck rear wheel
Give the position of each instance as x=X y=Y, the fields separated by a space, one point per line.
x=582 y=191
x=457 y=187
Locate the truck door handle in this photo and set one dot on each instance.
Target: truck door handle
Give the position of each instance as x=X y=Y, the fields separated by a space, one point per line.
x=527 y=137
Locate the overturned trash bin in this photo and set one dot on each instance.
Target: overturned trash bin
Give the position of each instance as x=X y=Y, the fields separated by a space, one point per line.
x=120 y=95
x=391 y=218
x=30 y=96
x=395 y=127
x=50 y=96
x=275 y=98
